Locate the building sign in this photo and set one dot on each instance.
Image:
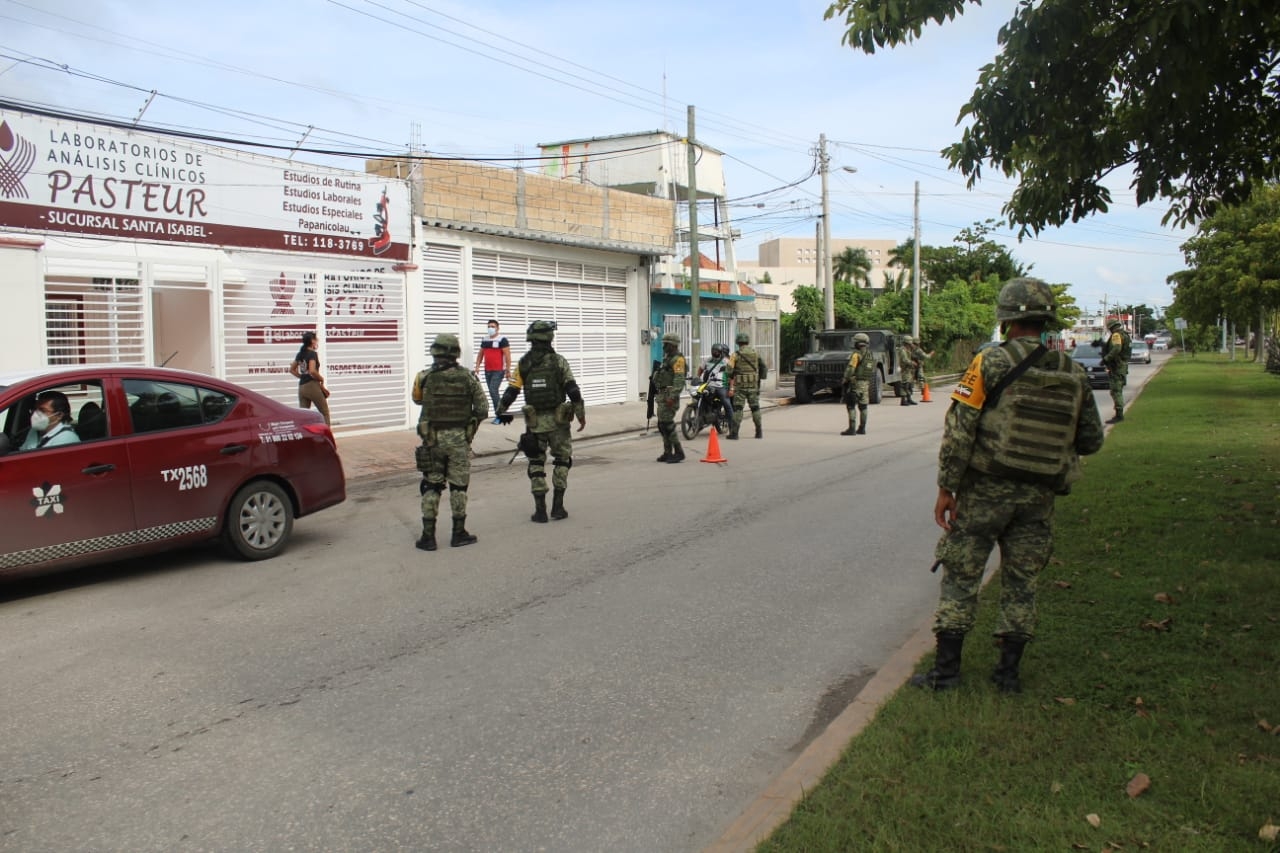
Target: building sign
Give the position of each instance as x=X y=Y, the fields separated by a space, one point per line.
x=93 y=180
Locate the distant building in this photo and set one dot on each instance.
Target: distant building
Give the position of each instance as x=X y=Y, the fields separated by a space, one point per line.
x=790 y=262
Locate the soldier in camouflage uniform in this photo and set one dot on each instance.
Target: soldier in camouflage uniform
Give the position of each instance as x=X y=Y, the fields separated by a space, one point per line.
x=857 y=383
x=916 y=357
x=453 y=405
x=1115 y=355
x=744 y=384
x=906 y=370
x=668 y=379
x=552 y=400
x=1019 y=419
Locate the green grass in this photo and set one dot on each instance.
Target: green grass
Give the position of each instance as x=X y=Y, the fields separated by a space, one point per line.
x=1158 y=653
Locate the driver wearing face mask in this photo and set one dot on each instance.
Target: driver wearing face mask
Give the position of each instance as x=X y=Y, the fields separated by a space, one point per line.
x=51 y=422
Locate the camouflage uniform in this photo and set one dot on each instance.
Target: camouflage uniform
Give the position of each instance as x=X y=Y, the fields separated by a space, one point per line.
x=744 y=385
x=445 y=452
x=916 y=358
x=999 y=503
x=857 y=384
x=668 y=379
x=1115 y=355
x=546 y=380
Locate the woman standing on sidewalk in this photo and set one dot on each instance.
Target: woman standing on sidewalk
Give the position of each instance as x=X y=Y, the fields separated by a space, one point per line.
x=306 y=366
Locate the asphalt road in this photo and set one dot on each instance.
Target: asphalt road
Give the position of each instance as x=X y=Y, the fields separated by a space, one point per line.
x=627 y=679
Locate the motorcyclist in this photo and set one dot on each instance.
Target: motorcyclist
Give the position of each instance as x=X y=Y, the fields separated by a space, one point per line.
x=713 y=373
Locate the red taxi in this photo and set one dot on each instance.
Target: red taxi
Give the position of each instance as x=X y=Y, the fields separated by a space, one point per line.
x=100 y=463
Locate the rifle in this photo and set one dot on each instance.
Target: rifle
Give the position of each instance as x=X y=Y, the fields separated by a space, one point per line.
x=653 y=392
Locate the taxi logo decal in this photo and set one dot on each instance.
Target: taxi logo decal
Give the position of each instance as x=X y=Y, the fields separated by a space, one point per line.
x=47 y=498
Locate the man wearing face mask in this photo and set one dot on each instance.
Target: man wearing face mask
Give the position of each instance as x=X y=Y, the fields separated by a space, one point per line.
x=50 y=422
x=495 y=356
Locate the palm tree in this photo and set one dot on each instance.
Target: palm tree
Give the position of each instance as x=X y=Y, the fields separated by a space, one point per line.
x=852 y=265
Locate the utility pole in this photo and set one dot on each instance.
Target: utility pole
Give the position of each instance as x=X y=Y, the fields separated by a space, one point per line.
x=829 y=296
x=695 y=321
x=915 y=274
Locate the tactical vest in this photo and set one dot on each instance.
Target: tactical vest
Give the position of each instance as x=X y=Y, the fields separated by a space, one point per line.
x=665 y=376
x=1030 y=432
x=866 y=365
x=541 y=378
x=746 y=369
x=446 y=396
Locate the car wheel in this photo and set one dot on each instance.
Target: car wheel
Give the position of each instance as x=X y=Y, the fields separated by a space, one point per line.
x=259 y=521
x=689 y=422
x=877 y=380
x=804 y=389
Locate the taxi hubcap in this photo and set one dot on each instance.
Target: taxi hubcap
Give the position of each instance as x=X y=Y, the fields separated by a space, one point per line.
x=262 y=520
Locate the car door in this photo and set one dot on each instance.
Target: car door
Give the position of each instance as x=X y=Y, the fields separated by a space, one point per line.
x=189 y=453
x=62 y=504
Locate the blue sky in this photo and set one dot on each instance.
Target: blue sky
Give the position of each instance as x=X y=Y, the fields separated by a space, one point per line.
x=494 y=78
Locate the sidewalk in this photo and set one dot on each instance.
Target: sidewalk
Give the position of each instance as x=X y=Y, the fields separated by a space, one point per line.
x=381 y=453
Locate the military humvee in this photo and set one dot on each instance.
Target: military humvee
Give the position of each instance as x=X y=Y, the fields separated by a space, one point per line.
x=822 y=368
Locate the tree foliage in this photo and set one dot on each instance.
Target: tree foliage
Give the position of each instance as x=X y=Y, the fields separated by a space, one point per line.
x=1234 y=263
x=1185 y=92
x=852 y=265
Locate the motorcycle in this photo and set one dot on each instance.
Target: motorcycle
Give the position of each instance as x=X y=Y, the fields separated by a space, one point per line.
x=704 y=409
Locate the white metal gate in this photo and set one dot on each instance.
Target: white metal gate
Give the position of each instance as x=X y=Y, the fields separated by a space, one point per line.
x=94 y=312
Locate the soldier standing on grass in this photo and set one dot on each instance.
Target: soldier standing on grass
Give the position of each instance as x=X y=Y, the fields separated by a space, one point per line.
x=552 y=400
x=857 y=383
x=1115 y=355
x=453 y=405
x=668 y=379
x=1019 y=419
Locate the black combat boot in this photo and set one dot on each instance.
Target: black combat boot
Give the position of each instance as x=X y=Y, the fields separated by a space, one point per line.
x=946 y=666
x=733 y=431
x=1005 y=675
x=862 y=427
x=903 y=401
x=665 y=457
x=557 y=505
x=539 y=508
x=759 y=430
x=460 y=535
x=849 y=431
x=428 y=540
x=1117 y=418
x=677 y=455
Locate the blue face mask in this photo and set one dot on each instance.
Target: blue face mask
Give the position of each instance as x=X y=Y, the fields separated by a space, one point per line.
x=493 y=331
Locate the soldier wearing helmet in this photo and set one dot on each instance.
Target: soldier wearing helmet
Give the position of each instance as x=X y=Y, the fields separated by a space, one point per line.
x=745 y=372
x=668 y=381
x=453 y=405
x=912 y=365
x=1115 y=356
x=1019 y=419
x=857 y=383
x=552 y=400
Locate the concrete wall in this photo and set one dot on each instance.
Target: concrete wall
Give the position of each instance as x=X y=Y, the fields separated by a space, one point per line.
x=506 y=198
x=22 y=321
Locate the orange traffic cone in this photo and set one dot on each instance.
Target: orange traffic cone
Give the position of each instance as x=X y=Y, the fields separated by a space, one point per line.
x=713 y=448
x=925 y=397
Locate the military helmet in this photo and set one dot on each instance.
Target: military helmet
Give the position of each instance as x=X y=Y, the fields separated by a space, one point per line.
x=671 y=338
x=719 y=349
x=543 y=331
x=1025 y=299
x=908 y=339
x=742 y=338
x=861 y=339
x=446 y=344
x=1115 y=325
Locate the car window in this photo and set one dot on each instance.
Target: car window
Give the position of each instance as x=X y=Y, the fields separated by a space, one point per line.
x=88 y=418
x=155 y=405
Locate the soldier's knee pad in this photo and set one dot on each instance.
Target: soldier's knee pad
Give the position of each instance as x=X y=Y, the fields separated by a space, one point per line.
x=565 y=462
x=454 y=487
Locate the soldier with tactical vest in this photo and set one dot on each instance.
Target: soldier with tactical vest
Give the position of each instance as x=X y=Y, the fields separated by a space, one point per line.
x=668 y=380
x=453 y=405
x=857 y=383
x=906 y=369
x=745 y=372
x=1115 y=356
x=1020 y=417
x=552 y=400
x=914 y=365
